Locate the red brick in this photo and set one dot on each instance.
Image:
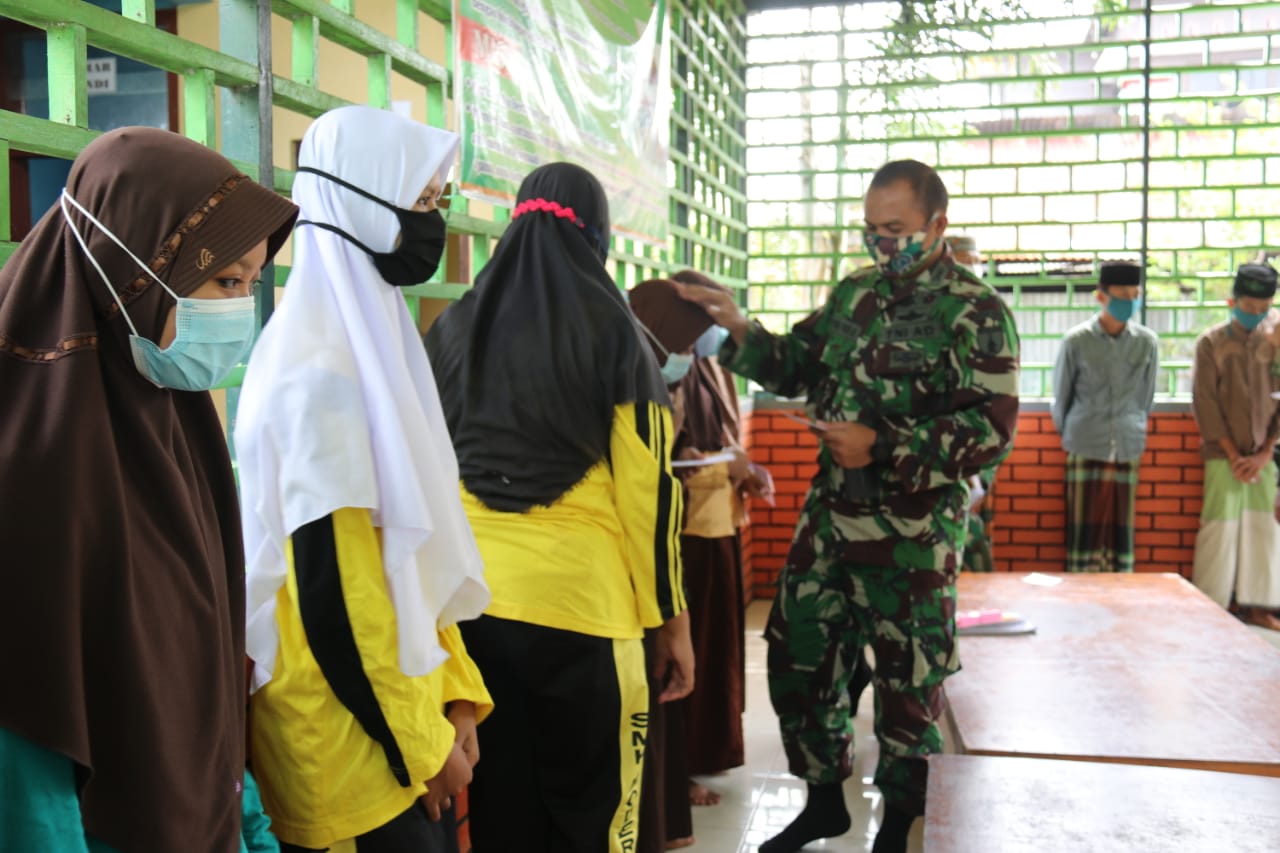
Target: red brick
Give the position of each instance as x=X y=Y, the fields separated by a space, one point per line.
x=773 y=531
x=1193 y=475
x=1056 y=553
x=1144 y=522
x=1037 y=536
x=783 y=424
x=1152 y=505
x=1164 y=441
x=779 y=471
x=1158 y=537
x=1026 y=521
x=1003 y=504
x=1018 y=488
x=1055 y=487
x=1175 y=556
x=1179 y=490
x=775 y=439
x=806 y=472
x=1177 y=522
x=1141 y=555
x=782 y=518
x=760 y=455
x=1001 y=536
x=1054 y=457
x=1029 y=456
x=1163 y=475
x=1189 y=538
x=1053 y=521
x=790 y=487
x=1179 y=458
x=780 y=548
x=1178 y=423
x=1037 y=472
x=1030 y=423
x=794 y=454
x=1036 y=439
x=1193 y=506
x=1192 y=442
x=1144 y=490
x=1038 y=505
x=1018 y=552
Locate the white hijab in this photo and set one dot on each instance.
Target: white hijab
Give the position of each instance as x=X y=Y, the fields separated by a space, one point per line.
x=339 y=406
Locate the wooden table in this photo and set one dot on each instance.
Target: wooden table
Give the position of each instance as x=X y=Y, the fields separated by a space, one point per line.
x=1134 y=669
x=980 y=803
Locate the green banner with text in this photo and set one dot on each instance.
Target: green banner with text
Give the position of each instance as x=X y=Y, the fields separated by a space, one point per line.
x=586 y=81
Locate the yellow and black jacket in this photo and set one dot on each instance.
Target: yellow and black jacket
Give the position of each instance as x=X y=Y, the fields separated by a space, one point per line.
x=604 y=558
x=341 y=740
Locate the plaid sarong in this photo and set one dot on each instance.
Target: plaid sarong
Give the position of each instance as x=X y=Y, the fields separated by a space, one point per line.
x=1100 y=514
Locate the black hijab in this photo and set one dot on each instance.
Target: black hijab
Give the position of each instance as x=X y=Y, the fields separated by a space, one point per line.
x=533 y=360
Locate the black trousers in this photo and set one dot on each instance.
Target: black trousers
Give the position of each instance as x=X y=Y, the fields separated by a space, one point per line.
x=411 y=832
x=561 y=754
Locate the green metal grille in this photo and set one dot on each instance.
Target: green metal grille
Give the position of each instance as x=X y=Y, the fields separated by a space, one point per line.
x=708 y=178
x=1066 y=133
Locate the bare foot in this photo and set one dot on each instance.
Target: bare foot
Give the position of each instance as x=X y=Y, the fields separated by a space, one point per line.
x=701 y=795
x=1262 y=618
x=677 y=843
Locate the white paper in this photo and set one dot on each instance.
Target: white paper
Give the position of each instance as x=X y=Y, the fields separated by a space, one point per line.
x=1037 y=579
x=713 y=459
x=810 y=424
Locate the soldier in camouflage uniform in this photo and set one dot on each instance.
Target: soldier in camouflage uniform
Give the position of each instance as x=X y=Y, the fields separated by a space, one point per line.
x=911 y=369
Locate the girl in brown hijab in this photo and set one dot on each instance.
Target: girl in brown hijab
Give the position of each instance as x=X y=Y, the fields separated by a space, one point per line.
x=122 y=619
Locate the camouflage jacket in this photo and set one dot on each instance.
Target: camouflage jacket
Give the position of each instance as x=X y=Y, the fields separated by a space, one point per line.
x=930 y=364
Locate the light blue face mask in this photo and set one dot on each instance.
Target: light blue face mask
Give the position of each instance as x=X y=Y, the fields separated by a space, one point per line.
x=1123 y=309
x=676 y=365
x=212 y=335
x=709 y=343
x=1244 y=318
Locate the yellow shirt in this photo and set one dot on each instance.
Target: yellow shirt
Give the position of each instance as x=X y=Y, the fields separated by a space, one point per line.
x=604 y=559
x=323 y=779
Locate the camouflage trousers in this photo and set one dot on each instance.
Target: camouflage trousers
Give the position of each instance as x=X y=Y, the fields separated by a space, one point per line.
x=825 y=612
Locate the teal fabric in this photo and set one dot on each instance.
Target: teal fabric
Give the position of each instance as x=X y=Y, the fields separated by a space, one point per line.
x=255 y=833
x=39 y=809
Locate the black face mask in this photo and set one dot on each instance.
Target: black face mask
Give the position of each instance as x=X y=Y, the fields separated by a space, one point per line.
x=422 y=239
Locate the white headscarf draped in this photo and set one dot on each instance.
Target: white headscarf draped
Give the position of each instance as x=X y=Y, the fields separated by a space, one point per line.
x=339 y=406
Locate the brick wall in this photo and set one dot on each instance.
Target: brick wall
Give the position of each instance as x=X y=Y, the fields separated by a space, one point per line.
x=1029 y=496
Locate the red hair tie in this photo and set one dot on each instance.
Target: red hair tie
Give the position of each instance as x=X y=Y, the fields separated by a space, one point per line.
x=552 y=207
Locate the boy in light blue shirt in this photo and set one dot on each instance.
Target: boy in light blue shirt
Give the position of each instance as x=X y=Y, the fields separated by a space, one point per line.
x=1104 y=387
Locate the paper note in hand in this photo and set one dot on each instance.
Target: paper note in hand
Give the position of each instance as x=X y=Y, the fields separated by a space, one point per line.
x=811 y=424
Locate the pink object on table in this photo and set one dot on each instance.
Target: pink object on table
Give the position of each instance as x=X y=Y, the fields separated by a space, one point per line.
x=968 y=618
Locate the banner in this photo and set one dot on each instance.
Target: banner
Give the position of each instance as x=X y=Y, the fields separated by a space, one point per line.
x=586 y=81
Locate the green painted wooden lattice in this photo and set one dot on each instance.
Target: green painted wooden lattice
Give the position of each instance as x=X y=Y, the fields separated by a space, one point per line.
x=708 y=152
x=1054 y=158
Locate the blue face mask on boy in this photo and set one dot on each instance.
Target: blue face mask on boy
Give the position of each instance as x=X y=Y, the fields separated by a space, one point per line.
x=1244 y=318
x=212 y=335
x=1123 y=309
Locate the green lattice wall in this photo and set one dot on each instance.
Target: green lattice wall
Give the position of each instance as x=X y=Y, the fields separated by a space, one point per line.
x=221 y=107
x=1039 y=127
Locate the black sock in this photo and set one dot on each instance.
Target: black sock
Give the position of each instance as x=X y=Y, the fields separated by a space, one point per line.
x=858 y=681
x=892 y=837
x=824 y=816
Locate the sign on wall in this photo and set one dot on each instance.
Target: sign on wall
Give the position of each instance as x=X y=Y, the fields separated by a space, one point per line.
x=586 y=81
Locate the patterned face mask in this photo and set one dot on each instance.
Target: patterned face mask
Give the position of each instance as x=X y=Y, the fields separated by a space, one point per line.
x=899 y=257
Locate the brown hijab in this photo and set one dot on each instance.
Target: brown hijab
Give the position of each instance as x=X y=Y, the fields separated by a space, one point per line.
x=122 y=616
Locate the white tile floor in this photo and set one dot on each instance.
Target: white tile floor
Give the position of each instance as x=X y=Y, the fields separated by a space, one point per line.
x=761 y=798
